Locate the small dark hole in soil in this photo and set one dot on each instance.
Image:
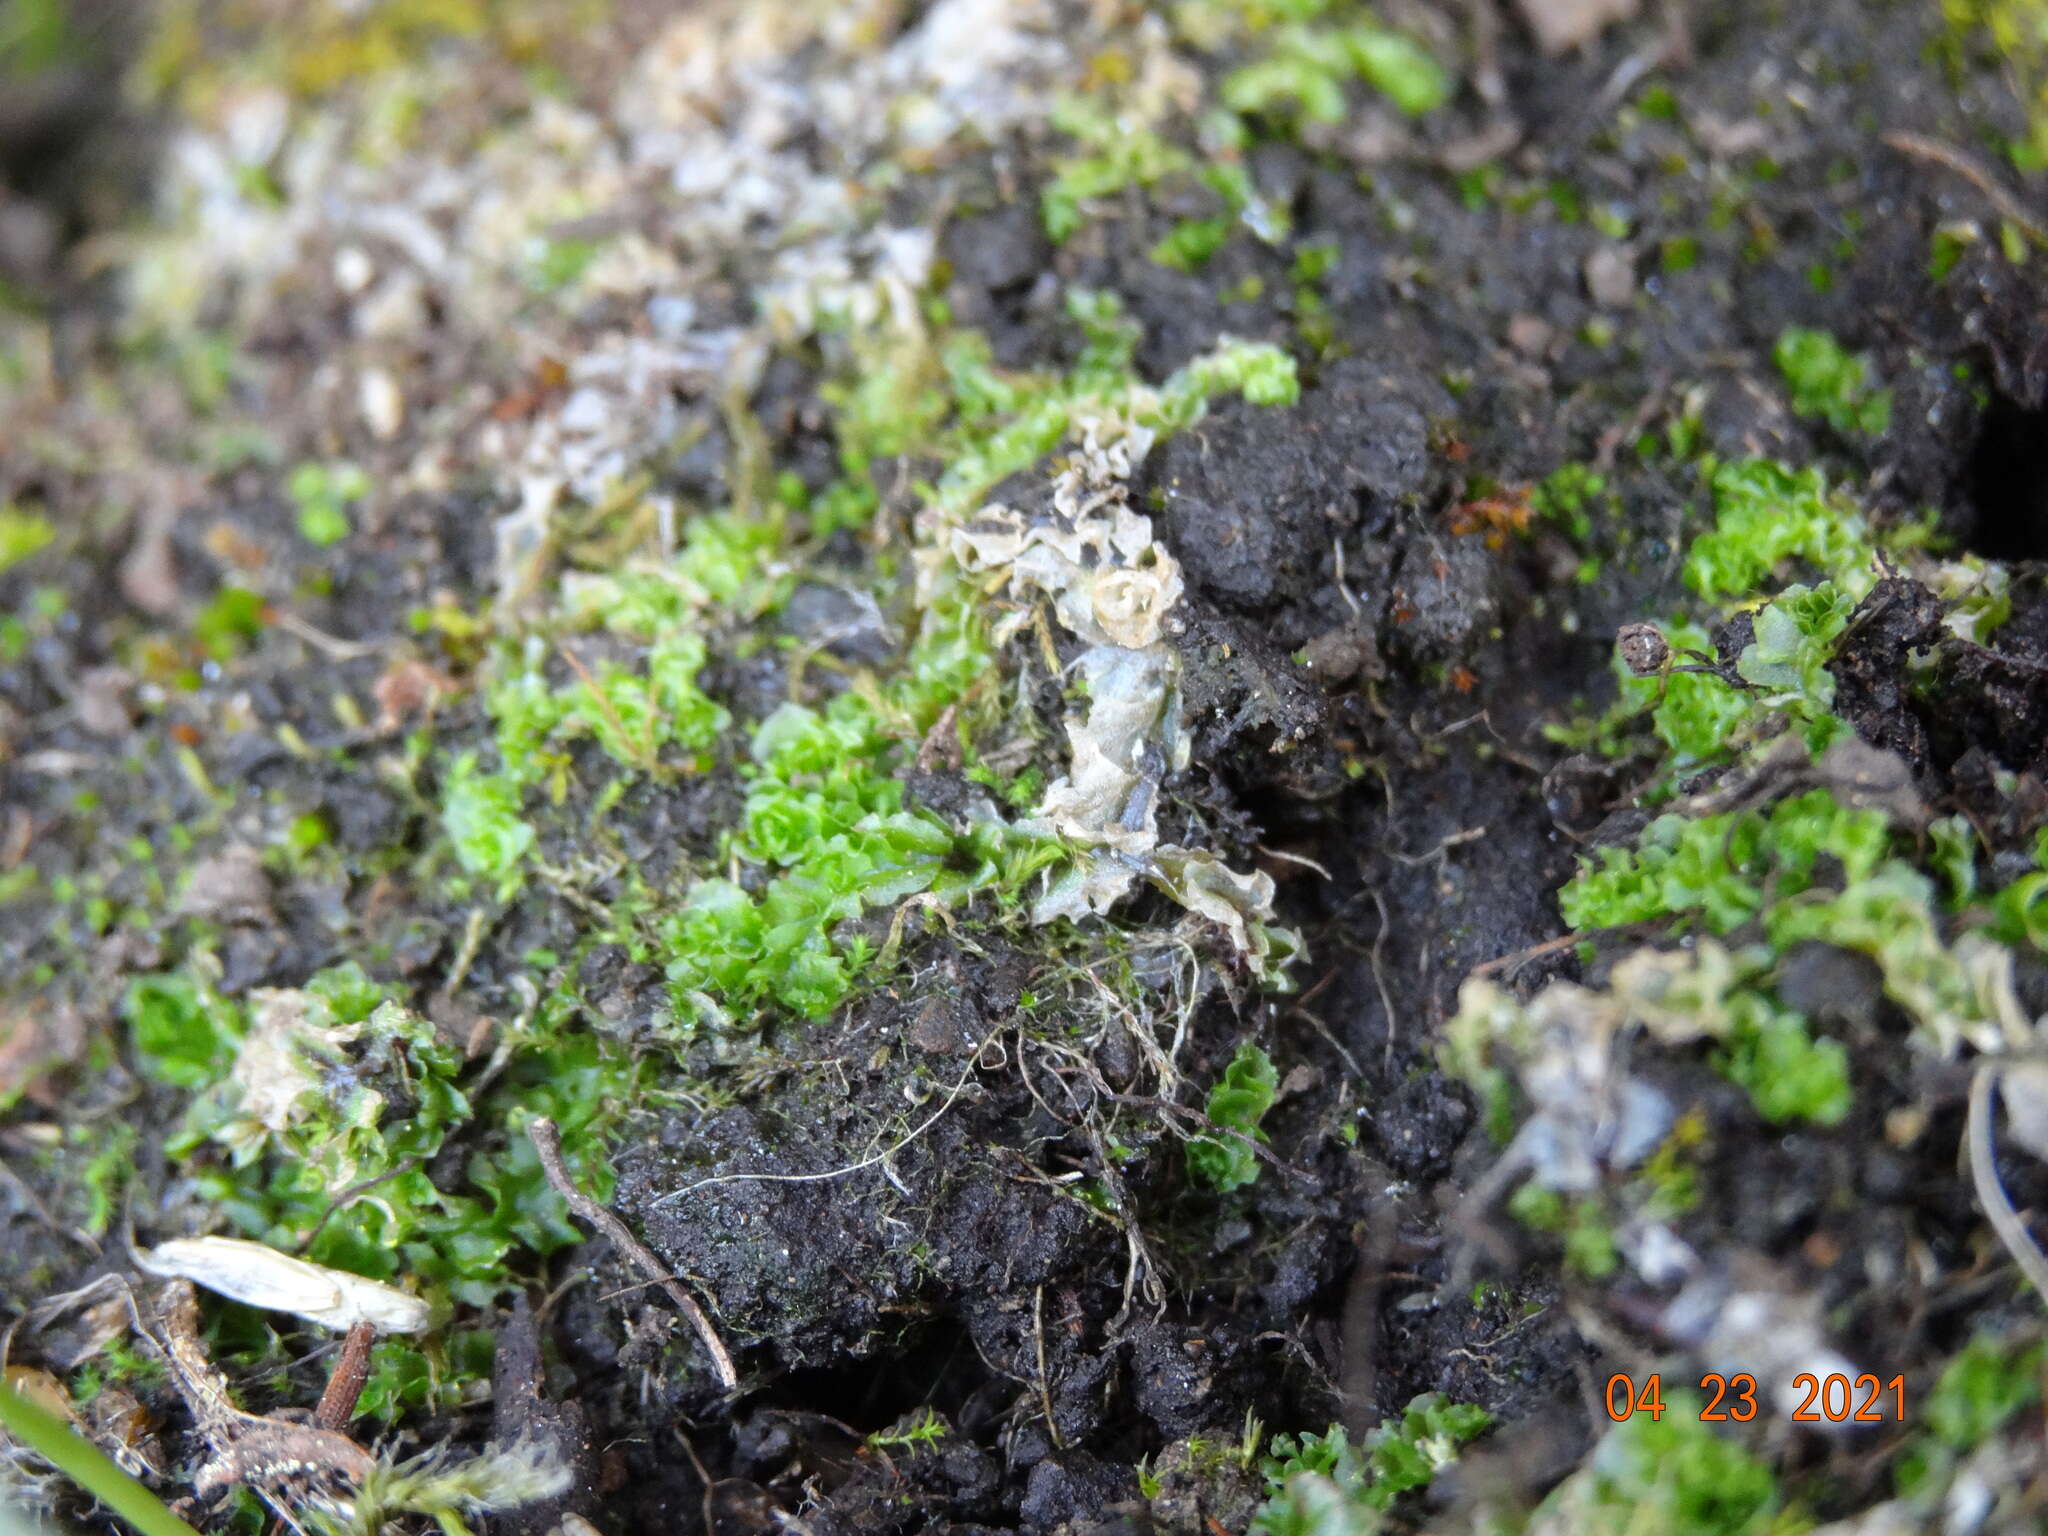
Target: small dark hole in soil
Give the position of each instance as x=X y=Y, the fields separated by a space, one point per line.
x=939 y=1369
x=2007 y=483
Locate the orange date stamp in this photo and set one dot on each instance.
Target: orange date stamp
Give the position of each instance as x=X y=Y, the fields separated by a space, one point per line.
x=1831 y=1399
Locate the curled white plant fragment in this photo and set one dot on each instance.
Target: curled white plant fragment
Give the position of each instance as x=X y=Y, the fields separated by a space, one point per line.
x=1587 y=1113
x=259 y=1276
x=1112 y=585
x=275 y=1066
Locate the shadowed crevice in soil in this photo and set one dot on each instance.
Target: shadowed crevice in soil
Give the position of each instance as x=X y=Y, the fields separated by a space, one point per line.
x=2007 y=483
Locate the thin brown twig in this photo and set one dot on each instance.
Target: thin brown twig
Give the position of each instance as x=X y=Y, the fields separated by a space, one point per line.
x=648 y=761
x=320 y=640
x=547 y=1142
x=1363 y=1315
x=1516 y=959
x=1379 y=978
x=703 y=1475
x=346 y=1381
x=1052 y=1424
x=1949 y=158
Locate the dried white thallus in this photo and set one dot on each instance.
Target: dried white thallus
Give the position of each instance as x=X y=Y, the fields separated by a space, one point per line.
x=262 y=1277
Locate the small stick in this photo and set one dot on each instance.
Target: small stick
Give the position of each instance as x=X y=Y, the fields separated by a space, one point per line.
x=547 y=1141
x=1363 y=1315
x=320 y=640
x=1052 y=1425
x=346 y=1382
x=1949 y=158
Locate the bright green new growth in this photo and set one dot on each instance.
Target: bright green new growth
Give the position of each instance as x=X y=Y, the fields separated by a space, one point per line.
x=480 y=812
x=183 y=1036
x=1788 y=1074
x=1982 y=1389
x=635 y=716
x=1567 y=497
x=1765 y=515
x=1190 y=243
x=632 y=714
x=1831 y=384
x=22 y=534
x=1238 y=1102
x=1115 y=156
x=231 y=619
x=1671 y=1474
x=1721 y=867
x=825 y=813
x=323 y=494
x=1322 y=1485
x=1302 y=75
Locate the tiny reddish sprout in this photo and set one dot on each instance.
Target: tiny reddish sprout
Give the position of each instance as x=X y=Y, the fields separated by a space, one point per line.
x=1495 y=516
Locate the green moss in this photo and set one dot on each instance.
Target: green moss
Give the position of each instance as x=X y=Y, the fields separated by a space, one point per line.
x=1569 y=497
x=824 y=817
x=105 y=1172
x=22 y=534
x=1581 y=1223
x=1766 y=514
x=1238 y=1102
x=1302 y=72
x=1322 y=1485
x=1115 y=156
x=788 y=916
x=350 y=1168
x=1671 y=1474
x=1982 y=1389
x=633 y=716
x=1190 y=243
x=2018 y=31
x=184 y=1033
x=1828 y=383
x=323 y=494
x=231 y=619
x=437 y=1372
x=1720 y=868
x=1790 y=1076
x=481 y=815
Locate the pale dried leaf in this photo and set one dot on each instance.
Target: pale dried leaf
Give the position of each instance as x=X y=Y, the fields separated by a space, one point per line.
x=260 y=1276
x=1561 y=25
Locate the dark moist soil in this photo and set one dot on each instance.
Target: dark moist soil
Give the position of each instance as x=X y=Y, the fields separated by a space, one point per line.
x=958 y=1268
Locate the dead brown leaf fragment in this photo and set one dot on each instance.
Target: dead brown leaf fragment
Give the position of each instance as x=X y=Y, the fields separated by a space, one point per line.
x=36 y=1037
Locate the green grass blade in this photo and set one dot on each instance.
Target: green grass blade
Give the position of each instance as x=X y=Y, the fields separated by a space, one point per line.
x=86 y=1465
